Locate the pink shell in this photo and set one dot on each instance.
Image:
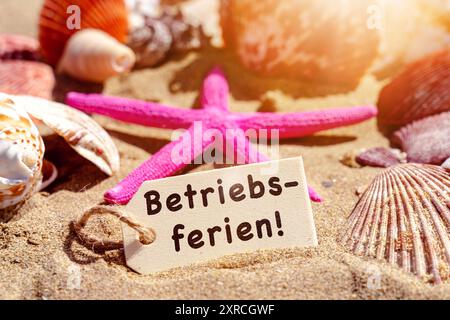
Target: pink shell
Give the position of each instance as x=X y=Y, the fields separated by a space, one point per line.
x=426 y=140
x=378 y=157
x=26 y=78
x=421 y=90
x=404 y=218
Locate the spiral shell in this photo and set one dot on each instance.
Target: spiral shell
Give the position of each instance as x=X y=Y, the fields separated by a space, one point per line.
x=92 y=55
x=58 y=22
x=404 y=218
x=21 y=155
x=421 y=90
x=321 y=41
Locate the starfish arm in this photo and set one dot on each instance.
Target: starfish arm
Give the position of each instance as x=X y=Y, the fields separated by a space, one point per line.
x=134 y=111
x=215 y=91
x=162 y=164
x=300 y=124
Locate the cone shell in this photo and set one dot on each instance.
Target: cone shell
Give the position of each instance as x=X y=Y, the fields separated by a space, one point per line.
x=21 y=155
x=92 y=55
x=26 y=77
x=321 y=41
x=111 y=16
x=426 y=140
x=419 y=91
x=404 y=218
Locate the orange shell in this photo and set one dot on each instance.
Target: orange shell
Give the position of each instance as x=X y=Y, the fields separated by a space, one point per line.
x=110 y=16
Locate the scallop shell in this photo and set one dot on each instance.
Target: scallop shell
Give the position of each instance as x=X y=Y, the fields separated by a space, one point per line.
x=426 y=140
x=26 y=77
x=419 y=91
x=79 y=130
x=21 y=155
x=299 y=38
x=111 y=16
x=404 y=218
x=17 y=47
x=92 y=55
x=379 y=157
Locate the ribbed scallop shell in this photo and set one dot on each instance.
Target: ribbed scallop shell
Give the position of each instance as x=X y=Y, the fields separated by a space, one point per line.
x=110 y=16
x=404 y=218
x=421 y=90
x=322 y=41
x=26 y=77
x=21 y=155
x=426 y=140
x=92 y=55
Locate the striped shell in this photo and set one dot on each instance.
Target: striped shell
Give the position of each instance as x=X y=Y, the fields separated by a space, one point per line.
x=56 y=24
x=79 y=130
x=404 y=218
x=21 y=155
x=419 y=91
x=26 y=77
x=321 y=41
x=426 y=140
x=93 y=55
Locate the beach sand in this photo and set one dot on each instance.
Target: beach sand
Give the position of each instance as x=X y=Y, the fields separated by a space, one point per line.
x=40 y=258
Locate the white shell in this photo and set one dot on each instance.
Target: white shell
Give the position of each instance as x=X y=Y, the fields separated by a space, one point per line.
x=79 y=130
x=446 y=165
x=404 y=218
x=93 y=55
x=21 y=154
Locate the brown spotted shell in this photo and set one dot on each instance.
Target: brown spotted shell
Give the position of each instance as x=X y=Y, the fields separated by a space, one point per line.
x=319 y=41
x=404 y=218
x=21 y=154
x=426 y=140
x=421 y=90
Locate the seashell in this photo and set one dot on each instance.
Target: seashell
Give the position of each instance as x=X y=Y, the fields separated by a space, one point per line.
x=408 y=33
x=379 y=157
x=440 y=9
x=426 y=140
x=26 y=77
x=49 y=174
x=297 y=38
x=92 y=55
x=404 y=218
x=21 y=156
x=446 y=164
x=58 y=22
x=17 y=47
x=186 y=35
x=79 y=130
x=419 y=91
x=151 y=42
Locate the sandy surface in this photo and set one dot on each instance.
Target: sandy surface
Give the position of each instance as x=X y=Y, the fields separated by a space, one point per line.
x=41 y=259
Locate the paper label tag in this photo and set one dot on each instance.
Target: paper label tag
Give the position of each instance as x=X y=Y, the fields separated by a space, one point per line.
x=203 y=216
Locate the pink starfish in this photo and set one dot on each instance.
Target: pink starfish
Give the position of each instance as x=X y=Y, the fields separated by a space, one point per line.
x=214 y=114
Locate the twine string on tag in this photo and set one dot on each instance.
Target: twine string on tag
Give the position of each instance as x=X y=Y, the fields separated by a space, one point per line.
x=146 y=235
